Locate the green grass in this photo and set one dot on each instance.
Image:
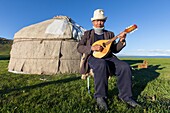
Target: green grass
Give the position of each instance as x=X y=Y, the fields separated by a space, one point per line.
x=5 y=51
x=67 y=93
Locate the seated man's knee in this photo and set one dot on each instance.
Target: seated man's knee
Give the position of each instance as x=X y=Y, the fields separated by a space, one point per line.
x=125 y=66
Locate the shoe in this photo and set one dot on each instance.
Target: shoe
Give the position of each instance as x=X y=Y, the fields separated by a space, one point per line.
x=132 y=103
x=102 y=104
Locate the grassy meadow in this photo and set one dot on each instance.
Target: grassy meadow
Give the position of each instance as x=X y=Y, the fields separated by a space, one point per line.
x=5 y=47
x=67 y=93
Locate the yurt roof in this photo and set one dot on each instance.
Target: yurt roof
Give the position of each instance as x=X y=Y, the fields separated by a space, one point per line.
x=59 y=27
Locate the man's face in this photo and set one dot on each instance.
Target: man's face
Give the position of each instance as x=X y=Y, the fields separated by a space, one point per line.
x=98 y=23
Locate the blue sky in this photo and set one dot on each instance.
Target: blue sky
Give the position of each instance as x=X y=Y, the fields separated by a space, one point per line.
x=151 y=16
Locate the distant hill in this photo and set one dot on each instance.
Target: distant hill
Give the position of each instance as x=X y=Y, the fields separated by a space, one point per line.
x=5 y=41
x=5 y=46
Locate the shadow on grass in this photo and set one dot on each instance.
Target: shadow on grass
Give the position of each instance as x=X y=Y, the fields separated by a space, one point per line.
x=4 y=57
x=40 y=85
x=131 y=62
x=141 y=77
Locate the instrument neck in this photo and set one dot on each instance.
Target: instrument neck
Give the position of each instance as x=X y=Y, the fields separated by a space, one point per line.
x=112 y=39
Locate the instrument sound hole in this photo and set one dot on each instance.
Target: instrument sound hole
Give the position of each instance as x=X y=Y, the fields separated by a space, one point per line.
x=104 y=45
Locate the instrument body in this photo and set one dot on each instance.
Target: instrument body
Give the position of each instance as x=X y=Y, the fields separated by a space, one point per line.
x=106 y=44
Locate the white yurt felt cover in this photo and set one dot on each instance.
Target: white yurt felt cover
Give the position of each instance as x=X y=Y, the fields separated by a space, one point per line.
x=48 y=47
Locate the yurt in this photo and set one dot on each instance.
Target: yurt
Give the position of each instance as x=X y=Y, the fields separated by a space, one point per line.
x=48 y=47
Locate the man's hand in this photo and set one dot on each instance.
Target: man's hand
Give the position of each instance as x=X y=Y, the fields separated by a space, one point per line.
x=122 y=36
x=97 y=48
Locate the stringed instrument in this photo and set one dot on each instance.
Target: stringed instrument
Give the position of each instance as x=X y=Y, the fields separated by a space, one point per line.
x=106 y=44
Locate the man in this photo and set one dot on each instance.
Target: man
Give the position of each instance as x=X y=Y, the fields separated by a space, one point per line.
x=102 y=67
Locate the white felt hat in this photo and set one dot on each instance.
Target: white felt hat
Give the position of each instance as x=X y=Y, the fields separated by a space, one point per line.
x=98 y=15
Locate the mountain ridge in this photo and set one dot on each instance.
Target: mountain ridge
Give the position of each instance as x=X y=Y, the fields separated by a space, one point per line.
x=5 y=41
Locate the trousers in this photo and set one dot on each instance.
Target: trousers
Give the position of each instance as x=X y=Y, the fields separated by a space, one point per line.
x=103 y=67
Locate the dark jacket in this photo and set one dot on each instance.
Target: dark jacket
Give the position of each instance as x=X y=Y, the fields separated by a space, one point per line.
x=85 y=43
